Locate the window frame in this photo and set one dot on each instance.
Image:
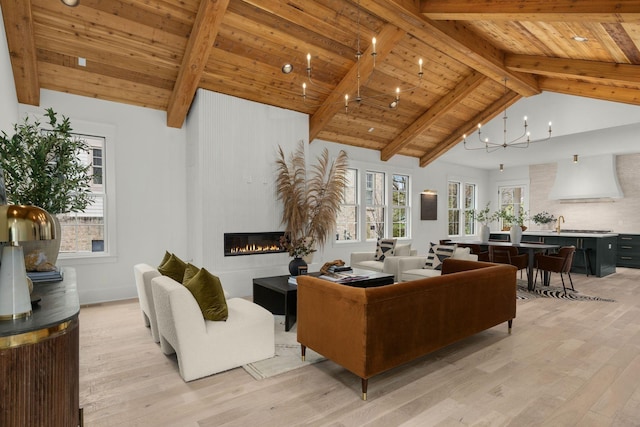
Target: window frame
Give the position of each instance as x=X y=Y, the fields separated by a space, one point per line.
x=373 y=206
x=356 y=206
x=362 y=168
x=466 y=225
x=108 y=132
x=406 y=207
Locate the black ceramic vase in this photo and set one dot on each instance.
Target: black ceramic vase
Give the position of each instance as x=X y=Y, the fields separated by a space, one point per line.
x=295 y=264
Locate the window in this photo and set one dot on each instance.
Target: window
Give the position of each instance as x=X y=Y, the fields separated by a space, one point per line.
x=453 y=203
x=347 y=221
x=84 y=232
x=375 y=203
x=511 y=200
x=469 y=208
x=400 y=206
x=461 y=202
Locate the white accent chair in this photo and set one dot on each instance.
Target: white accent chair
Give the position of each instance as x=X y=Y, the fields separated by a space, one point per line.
x=204 y=347
x=412 y=268
x=367 y=261
x=143 y=274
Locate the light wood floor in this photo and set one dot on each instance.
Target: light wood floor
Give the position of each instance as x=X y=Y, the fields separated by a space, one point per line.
x=566 y=364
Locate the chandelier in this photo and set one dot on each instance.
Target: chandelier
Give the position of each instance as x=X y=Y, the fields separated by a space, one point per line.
x=519 y=142
x=356 y=96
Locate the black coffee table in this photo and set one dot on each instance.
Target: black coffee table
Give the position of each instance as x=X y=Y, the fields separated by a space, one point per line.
x=279 y=297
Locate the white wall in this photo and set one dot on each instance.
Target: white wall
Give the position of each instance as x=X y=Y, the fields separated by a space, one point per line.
x=150 y=190
x=8 y=100
x=232 y=147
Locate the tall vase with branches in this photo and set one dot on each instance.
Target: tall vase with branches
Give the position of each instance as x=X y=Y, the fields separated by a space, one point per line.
x=311 y=199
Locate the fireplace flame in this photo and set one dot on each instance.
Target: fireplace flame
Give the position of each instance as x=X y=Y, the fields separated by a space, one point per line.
x=255 y=249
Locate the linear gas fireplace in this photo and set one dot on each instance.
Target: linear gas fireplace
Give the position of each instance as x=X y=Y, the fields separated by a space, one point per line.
x=252 y=243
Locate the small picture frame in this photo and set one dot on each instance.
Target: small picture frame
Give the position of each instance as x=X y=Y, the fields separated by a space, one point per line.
x=302 y=270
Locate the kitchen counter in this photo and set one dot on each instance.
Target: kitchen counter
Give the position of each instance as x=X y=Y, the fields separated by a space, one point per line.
x=568 y=233
x=596 y=250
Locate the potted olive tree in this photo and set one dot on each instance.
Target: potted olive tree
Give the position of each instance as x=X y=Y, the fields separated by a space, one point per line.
x=42 y=167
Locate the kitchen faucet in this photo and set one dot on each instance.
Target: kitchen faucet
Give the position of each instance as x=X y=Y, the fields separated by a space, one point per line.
x=558 y=224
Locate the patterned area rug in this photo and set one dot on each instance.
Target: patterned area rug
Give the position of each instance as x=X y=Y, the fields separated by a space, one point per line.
x=287 y=356
x=554 y=292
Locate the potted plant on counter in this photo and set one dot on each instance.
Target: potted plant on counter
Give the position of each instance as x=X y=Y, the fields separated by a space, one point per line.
x=42 y=168
x=544 y=219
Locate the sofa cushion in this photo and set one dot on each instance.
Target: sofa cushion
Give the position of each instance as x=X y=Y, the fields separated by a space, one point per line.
x=174 y=268
x=437 y=254
x=419 y=273
x=371 y=265
x=385 y=247
x=402 y=250
x=207 y=291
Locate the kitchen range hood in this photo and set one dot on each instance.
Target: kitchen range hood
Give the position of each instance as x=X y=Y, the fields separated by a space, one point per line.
x=589 y=179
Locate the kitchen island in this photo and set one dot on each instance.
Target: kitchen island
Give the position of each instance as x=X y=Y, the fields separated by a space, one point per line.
x=594 y=248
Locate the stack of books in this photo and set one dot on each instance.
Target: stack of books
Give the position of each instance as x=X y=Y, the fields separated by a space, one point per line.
x=45 y=276
x=340 y=269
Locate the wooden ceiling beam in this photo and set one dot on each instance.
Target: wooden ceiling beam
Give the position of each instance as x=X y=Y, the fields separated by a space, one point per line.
x=455 y=41
x=18 y=22
x=590 y=90
x=439 y=109
x=469 y=127
x=195 y=58
x=388 y=37
x=591 y=71
x=532 y=10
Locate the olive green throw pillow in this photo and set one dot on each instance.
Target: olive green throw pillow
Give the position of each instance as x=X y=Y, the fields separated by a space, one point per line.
x=166 y=257
x=174 y=268
x=189 y=272
x=207 y=290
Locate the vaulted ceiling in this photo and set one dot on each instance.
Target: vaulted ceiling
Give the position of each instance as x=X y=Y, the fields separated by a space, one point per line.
x=157 y=53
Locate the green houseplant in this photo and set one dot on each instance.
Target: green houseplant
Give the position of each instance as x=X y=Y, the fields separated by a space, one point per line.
x=543 y=218
x=484 y=217
x=311 y=199
x=42 y=167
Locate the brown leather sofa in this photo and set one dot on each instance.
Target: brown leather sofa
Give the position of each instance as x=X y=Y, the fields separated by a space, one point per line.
x=371 y=330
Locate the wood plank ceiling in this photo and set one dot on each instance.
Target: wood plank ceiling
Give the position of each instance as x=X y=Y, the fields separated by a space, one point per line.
x=157 y=53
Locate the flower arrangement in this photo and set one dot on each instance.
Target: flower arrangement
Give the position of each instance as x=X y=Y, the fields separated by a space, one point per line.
x=297 y=248
x=543 y=217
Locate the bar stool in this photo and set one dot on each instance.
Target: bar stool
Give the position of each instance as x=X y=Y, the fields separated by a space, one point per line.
x=587 y=260
x=585 y=256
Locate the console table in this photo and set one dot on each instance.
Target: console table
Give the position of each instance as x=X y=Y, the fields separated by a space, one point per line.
x=39 y=360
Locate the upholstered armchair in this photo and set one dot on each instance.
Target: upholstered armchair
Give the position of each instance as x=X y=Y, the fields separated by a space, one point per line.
x=205 y=347
x=143 y=274
x=367 y=261
x=556 y=263
x=509 y=255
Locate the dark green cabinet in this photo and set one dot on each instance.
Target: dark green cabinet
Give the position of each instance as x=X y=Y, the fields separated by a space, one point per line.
x=628 y=250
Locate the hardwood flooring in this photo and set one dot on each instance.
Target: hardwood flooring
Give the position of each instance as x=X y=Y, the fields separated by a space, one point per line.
x=567 y=363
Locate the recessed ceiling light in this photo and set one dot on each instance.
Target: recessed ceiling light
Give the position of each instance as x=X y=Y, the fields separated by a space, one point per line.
x=287 y=68
x=72 y=3
x=580 y=38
